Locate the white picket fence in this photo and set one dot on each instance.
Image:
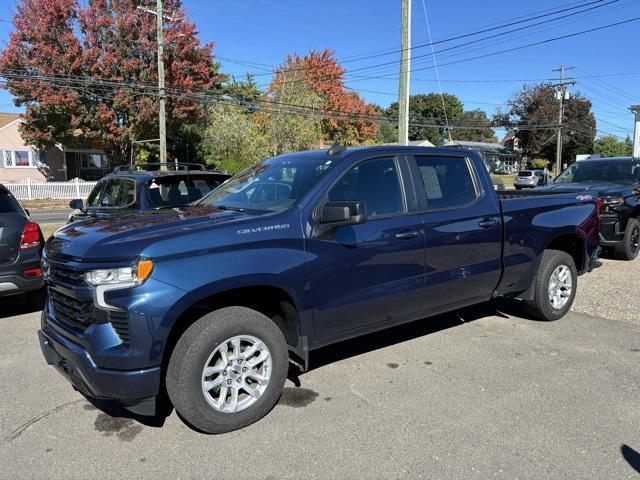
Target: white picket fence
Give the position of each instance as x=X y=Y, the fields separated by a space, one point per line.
x=31 y=190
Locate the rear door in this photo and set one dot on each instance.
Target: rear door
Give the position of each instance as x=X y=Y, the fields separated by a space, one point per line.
x=372 y=273
x=462 y=232
x=12 y=220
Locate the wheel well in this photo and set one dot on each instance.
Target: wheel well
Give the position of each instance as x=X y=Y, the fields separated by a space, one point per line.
x=573 y=245
x=271 y=301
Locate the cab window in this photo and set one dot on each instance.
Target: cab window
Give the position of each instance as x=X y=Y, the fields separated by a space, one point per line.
x=374 y=182
x=118 y=193
x=448 y=181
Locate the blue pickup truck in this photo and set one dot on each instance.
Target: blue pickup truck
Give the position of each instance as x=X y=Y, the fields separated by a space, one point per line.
x=210 y=302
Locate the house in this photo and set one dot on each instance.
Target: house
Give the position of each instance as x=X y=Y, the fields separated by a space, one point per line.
x=497 y=157
x=19 y=161
x=511 y=141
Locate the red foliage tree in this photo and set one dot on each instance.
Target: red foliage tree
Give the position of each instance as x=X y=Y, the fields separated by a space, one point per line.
x=347 y=117
x=102 y=64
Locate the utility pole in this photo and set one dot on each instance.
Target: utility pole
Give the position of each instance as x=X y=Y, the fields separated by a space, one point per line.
x=162 y=113
x=405 y=59
x=562 y=94
x=636 y=131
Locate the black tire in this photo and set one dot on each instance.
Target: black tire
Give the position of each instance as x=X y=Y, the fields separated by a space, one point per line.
x=184 y=372
x=629 y=247
x=37 y=298
x=540 y=306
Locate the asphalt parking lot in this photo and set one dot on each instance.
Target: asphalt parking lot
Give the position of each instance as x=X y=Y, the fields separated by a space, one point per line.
x=482 y=393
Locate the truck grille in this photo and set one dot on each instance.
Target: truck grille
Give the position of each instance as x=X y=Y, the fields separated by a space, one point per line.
x=120 y=322
x=71 y=312
x=64 y=276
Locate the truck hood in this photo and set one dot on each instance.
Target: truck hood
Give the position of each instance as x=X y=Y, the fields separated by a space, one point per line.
x=602 y=188
x=123 y=238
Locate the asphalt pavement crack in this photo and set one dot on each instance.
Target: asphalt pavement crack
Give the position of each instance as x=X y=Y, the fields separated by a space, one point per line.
x=12 y=435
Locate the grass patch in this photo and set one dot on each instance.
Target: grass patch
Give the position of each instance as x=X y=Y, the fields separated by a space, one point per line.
x=49 y=228
x=45 y=203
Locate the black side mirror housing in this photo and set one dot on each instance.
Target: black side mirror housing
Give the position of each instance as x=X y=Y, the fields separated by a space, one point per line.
x=339 y=214
x=76 y=204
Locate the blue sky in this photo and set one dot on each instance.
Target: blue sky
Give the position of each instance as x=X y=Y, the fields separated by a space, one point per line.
x=263 y=32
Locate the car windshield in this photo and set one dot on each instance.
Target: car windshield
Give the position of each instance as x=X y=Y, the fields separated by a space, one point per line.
x=608 y=171
x=272 y=185
x=178 y=190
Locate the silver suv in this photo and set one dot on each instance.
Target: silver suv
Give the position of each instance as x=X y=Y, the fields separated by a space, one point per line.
x=532 y=178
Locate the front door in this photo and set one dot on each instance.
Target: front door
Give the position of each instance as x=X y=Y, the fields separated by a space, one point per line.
x=462 y=232
x=372 y=273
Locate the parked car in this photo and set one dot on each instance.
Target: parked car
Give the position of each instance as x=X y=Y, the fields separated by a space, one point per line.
x=145 y=187
x=617 y=181
x=299 y=251
x=532 y=178
x=21 y=245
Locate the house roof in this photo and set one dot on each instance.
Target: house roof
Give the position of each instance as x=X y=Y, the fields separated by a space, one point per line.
x=6 y=118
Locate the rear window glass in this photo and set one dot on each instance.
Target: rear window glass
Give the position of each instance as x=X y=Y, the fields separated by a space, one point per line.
x=448 y=182
x=525 y=174
x=7 y=204
x=174 y=191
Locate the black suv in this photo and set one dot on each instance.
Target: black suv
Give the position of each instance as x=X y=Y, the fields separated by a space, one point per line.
x=136 y=188
x=21 y=245
x=617 y=181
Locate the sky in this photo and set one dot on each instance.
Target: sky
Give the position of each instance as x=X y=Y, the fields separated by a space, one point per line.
x=254 y=35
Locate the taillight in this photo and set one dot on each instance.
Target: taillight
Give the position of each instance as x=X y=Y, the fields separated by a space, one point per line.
x=33 y=272
x=31 y=236
x=599 y=204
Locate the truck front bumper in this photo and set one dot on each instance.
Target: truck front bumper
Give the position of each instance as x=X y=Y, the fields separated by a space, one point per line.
x=77 y=366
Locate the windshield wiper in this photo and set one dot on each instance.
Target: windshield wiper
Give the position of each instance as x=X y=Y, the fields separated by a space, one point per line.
x=235 y=209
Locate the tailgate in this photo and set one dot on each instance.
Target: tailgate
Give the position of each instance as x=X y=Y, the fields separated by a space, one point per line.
x=11 y=225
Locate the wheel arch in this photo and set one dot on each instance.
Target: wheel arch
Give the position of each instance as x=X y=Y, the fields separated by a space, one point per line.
x=269 y=298
x=574 y=245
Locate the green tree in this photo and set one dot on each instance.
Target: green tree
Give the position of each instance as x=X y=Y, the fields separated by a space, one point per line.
x=286 y=119
x=533 y=115
x=233 y=140
x=480 y=127
x=426 y=109
x=610 y=146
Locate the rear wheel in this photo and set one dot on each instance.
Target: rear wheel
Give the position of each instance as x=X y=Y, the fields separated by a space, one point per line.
x=555 y=286
x=629 y=247
x=227 y=370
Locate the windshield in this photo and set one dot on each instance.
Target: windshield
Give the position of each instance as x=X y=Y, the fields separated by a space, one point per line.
x=619 y=172
x=272 y=185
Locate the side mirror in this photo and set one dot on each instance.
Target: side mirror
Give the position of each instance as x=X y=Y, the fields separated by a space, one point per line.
x=343 y=213
x=339 y=214
x=76 y=204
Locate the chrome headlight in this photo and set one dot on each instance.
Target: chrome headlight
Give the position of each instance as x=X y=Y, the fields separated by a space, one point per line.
x=111 y=276
x=107 y=279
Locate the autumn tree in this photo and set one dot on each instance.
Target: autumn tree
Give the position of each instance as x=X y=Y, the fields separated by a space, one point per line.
x=101 y=63
x=427 y=120
x=533 y=115
x=345 y=116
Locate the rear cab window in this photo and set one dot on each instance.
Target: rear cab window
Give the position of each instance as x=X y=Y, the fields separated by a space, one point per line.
x=448 y=182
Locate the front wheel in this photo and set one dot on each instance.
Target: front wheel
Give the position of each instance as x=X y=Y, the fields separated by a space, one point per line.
x=227 y=370
x=630 y=245
x=555 y=286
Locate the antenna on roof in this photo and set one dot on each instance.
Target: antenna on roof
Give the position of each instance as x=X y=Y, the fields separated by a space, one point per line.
x=336 y=148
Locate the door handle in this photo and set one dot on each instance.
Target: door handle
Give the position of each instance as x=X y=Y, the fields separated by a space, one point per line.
x=407 y=235
x=487 y=223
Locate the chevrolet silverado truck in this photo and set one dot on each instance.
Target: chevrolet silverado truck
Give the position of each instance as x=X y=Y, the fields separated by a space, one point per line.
x=211 y=302
x=617 y=181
